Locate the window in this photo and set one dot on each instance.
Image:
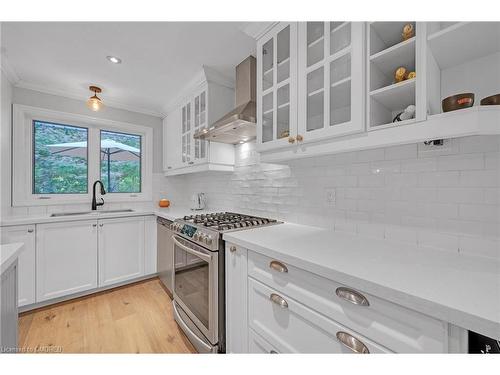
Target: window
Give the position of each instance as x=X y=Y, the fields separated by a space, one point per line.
x=60 y=159
x=121 y=162
x=57 y=157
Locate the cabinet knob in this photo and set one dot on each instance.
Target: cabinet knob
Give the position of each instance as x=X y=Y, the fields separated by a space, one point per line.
x=94 y=225
x=299 y=138
x=191 y=162
x=352 y=343
x=232 y=249
x=101 y=225
x=169 y=167
x=278 y=266
x=30 y=230
x=291 y=140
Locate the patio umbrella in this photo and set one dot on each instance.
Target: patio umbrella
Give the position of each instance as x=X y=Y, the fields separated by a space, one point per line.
x=109 y=147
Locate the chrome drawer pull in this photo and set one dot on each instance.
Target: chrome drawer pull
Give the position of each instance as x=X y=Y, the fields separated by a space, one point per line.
x=278 y=266
x=352 y=343
x=280 y=301
x=273 y=352
x=352 y=296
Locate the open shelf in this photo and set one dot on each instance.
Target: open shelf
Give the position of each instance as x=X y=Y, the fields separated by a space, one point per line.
x=386 y=34
x=464 y=41
x=387 y=102
x=401 y=54
x=397 y=95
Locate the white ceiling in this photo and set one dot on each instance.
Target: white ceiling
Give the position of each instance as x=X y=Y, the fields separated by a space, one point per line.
x=159 y=58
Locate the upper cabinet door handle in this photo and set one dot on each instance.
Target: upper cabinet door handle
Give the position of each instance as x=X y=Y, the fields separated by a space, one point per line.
x=278 y=266
x=30 y=230
x=352 y=296
x=352 y=343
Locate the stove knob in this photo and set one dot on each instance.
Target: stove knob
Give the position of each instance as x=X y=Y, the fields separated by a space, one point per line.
x=201 y=237
x=208 y=240
x=196 y=236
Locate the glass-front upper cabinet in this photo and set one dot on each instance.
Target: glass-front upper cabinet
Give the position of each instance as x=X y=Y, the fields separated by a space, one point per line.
x=277 y=87
x=186 y=133
x=200 y=122
x=330 y=79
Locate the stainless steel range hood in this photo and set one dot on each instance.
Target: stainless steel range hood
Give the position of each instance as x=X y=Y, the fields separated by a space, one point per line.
x=239 y=125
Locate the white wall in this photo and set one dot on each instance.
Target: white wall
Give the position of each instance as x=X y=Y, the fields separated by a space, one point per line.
x=5 y=120
x=37 y=99
x=446 y=200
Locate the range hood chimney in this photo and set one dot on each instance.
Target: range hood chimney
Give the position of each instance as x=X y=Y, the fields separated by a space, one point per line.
x=239 y=125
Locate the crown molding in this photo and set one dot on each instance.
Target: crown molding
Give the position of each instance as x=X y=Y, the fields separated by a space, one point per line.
x=256 y=30
x=8 y=70
x=206 y=75
x=83 y=96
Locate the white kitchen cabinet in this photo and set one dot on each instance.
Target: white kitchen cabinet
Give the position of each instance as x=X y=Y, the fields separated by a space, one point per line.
x=171 y=141
x=121 y=250
x=277 y=86
x=26 y=260
x=444 y=55
x=330 y=80
x=198 y=107
x=272 y=306
x=236 y=299
x=310 y=83
x=66 y=258
x=292 y=327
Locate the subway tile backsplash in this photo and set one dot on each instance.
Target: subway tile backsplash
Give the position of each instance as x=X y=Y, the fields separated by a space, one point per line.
x=441 y=198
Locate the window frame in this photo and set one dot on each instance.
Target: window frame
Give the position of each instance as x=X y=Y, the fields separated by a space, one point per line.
x=22 y=156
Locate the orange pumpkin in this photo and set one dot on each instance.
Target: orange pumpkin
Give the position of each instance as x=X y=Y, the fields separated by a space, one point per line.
x=164 y=203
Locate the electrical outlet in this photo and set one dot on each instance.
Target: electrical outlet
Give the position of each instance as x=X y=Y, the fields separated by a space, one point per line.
x=447 y=147
x=330 y=196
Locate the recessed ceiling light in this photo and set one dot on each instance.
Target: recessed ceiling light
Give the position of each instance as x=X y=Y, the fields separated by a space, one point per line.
x=114 y=59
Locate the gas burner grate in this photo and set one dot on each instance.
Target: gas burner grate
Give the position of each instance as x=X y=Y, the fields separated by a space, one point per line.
x=227 y=220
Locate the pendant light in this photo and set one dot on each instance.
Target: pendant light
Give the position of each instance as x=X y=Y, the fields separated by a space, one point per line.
x=94 y=102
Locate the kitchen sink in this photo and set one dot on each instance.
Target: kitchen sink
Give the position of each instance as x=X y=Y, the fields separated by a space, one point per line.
x=59 y=214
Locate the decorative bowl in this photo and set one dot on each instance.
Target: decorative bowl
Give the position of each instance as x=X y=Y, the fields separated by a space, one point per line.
x=491 y=100
x=459 y=101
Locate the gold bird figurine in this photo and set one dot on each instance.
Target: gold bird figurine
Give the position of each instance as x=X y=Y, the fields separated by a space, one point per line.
x=408 y=31
x=400 y=74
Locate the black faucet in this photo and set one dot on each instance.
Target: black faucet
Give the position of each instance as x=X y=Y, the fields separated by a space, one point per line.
x=94 y=202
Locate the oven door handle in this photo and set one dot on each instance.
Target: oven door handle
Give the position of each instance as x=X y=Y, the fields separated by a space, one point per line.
x=205 y=257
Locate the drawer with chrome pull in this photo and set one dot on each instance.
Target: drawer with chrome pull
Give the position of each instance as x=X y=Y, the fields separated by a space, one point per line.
x=287 y=326
x=396 y=327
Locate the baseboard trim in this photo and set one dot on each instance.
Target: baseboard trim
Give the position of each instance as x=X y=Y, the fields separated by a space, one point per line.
x=83 y=295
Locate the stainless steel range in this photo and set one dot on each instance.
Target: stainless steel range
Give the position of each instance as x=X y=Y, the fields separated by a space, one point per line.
x=199 y=286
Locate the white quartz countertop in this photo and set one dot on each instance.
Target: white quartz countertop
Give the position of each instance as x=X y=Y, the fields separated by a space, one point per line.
x=8 y=255
x=459 y=289
x=169 y=213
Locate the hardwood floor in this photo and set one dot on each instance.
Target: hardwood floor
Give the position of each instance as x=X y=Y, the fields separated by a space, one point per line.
x=133 y=319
